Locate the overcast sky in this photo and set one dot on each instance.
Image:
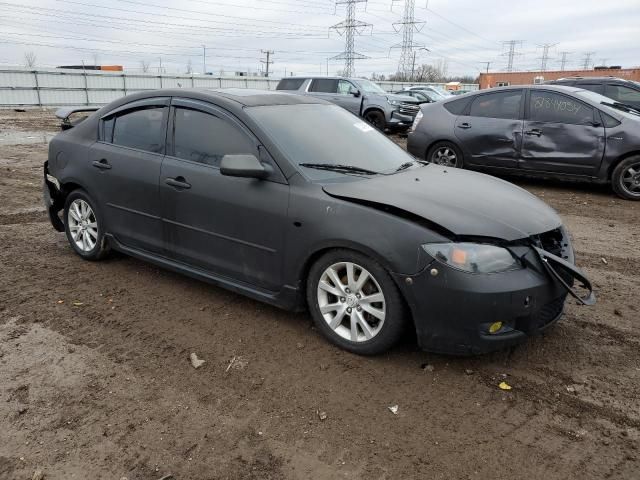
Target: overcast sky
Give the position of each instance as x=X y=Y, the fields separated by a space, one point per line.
x=466 y=33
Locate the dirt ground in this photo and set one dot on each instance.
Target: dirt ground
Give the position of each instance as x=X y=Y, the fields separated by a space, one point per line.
x=95 y=378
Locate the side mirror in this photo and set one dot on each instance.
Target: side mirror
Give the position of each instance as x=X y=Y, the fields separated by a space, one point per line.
x=355 y=93
x=243 y=166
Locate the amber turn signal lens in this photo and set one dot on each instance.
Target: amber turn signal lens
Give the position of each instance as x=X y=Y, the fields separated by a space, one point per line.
x=459 y=256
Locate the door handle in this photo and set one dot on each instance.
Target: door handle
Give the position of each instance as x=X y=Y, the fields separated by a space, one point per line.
x=178 y=182
x=534 y=132
x=102 y=164
x=464 y=125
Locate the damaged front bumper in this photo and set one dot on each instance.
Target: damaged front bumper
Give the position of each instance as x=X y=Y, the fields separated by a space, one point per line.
x=466 y=314
x=53 y=198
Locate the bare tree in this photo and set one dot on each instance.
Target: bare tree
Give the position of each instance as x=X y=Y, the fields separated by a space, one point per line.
x=144 y=65
x=29 y=59
x=189 y=67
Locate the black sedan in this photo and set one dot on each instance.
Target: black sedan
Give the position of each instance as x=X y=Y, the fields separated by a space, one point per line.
x=535 y=130
x=298 y=203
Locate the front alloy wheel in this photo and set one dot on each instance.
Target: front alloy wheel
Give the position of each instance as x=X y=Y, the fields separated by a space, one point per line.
x=355 y=303
x=351 y=302
x=626 y=178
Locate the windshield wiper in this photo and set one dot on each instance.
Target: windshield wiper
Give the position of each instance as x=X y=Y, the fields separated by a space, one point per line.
x=337 y=167
x=622 y=106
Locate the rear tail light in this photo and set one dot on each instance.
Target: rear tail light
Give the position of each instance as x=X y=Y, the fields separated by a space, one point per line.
x=416 y=120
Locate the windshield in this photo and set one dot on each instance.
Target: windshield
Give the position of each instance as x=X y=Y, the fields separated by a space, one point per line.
x=328 y=134
x=368 y=86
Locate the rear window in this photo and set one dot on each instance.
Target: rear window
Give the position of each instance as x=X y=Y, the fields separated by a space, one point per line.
x=497 y=105
x=457 y=107
x=142 y=129
x=290 y=84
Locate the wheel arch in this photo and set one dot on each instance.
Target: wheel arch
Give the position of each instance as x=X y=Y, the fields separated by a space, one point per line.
x=443 y=139
x=617 y=161
x=373 y=108
x=316 y=254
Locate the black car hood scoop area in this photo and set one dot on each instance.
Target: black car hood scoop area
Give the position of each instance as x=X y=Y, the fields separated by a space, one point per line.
x=462 y=202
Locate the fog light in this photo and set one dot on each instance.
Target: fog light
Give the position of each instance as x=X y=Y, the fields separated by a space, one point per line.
x=495 y=327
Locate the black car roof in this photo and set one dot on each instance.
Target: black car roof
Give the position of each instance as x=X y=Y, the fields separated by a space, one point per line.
x=253 y=98
x=235 y=97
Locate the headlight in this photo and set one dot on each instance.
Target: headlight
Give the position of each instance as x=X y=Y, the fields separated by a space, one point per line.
x=473 y=257
x=416 y=120
x=394 y=102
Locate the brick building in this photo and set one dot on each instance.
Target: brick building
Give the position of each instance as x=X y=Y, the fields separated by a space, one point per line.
x=501 y=79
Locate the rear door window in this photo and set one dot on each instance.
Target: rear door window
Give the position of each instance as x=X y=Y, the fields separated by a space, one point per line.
x=290 y=83
x=324 y=85
x=142 y=129
x=205 y=138
x=551 y=107
x=497 y=105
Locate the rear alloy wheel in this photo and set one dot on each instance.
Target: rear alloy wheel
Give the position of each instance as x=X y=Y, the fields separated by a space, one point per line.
x=445 y=154
x=625 y=179
x=355 y=303
x=83 y=227
x=376 y=119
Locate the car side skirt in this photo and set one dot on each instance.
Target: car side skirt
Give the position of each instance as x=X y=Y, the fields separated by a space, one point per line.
x=288 y=298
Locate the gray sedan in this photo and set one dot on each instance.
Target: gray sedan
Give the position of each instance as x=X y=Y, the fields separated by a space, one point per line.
x=536 y=130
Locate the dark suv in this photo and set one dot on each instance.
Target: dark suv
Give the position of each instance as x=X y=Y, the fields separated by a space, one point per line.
x=618 y=89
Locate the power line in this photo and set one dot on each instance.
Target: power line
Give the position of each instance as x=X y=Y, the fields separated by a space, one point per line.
x=198 y=12
x=587 y=60
x=349 y=27
x=267 y=62
x=66 y=13
x=511 y=53
x=563 y=60
x=408 y=25
x=545 y=55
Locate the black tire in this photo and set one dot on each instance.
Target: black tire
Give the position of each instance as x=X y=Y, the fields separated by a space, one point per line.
x=624 y=183
x=100 y=248
x=387 y=333
x=376 y=119
x=432 y=154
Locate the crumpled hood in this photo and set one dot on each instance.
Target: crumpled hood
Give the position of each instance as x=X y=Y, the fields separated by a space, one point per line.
x=463 y=202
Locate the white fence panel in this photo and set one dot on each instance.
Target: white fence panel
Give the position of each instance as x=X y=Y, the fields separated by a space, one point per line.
x=19 y=97
x=63 y=97
x=174 y=82
x=207 y=82
x=104 y=81
x=101 y=97
x=143 y=82
x=52 y=80
x=55 y=87
x=17 y=79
